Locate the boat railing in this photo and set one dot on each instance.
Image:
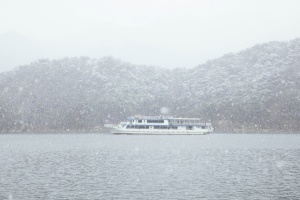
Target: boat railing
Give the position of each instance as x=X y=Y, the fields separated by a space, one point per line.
x=190 y=124
x=149 y=117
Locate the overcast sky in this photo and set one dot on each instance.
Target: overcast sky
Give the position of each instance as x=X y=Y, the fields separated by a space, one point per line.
x=166 y=33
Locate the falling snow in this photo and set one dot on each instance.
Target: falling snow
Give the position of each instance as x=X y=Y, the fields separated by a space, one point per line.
x=255 y=89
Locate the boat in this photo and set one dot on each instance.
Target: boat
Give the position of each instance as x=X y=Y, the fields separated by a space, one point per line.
x=162 y=125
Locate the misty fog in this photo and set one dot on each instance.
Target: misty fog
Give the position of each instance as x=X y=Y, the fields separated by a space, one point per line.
x=160 y=99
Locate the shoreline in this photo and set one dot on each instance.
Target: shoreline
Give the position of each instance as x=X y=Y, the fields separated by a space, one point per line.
x=44 y=132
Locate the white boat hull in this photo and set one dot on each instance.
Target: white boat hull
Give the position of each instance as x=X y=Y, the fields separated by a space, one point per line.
x=161 y=132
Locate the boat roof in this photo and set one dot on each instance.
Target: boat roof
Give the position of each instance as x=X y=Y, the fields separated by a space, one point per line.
x=160 y=117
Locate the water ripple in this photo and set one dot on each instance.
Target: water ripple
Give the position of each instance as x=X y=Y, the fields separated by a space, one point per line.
x=135 y=167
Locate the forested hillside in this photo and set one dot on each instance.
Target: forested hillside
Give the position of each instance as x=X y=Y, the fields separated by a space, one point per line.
x=255 y=89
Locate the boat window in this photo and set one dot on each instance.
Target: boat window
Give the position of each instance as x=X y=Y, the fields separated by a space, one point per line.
x=155 y=121
x=139 y=121
x=160 y=127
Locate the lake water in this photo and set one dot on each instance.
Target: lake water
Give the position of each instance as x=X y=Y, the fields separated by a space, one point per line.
x=104 y=166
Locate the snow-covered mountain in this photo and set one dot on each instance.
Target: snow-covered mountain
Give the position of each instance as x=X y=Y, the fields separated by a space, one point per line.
x=255 y=89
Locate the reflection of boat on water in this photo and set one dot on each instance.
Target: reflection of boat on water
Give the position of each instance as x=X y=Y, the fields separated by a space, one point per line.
x=162 y=125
